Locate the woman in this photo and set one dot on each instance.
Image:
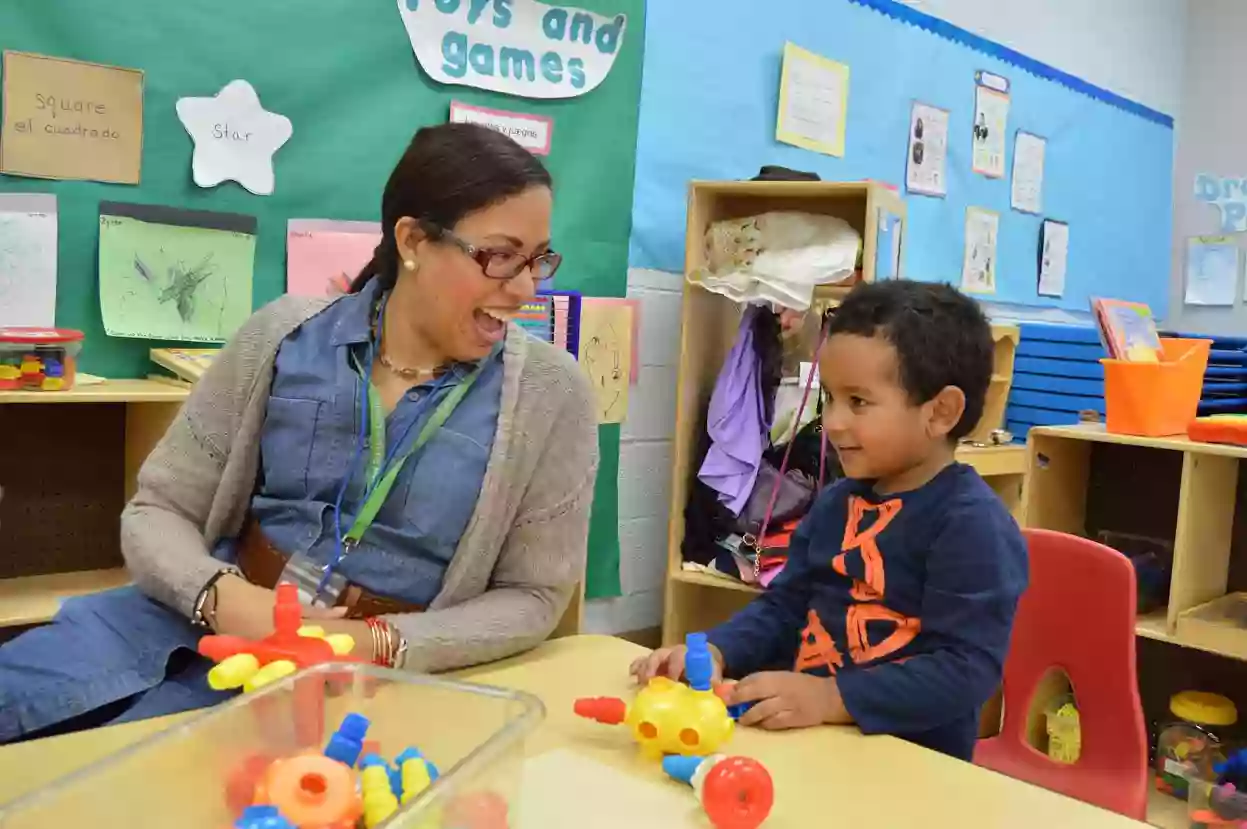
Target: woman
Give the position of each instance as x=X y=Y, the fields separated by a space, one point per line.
x=419 y=467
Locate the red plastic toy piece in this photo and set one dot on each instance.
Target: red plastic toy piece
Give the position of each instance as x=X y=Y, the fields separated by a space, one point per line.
x=738 y=793
x=608 y=710
x=241 y=783
x=477 y=810
x=284 y=643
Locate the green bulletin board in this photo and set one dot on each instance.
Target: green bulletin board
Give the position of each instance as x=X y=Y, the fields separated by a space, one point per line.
x=346 y=76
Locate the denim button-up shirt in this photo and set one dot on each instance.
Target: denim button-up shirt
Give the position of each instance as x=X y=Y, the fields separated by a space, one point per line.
x=311 y=443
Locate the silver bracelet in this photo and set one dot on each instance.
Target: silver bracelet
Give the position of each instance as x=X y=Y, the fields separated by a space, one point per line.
x=198 y=619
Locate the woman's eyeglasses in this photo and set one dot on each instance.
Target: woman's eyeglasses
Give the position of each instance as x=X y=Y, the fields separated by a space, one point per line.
x=499 y=263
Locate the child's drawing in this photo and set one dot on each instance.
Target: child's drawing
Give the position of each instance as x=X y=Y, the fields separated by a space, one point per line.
x=606 y=354
x=179 y=279
x=27 y=259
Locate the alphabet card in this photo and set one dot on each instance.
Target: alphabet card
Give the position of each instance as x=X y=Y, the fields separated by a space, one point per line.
x=517 y=47
x=235 y=138
x=70 y=120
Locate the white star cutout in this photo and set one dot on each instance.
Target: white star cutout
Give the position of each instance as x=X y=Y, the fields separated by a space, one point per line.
x=235 y=138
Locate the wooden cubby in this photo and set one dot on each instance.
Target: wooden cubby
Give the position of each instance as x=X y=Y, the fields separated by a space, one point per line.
x=695 y=601
x=70 y=465
x=1168 y=487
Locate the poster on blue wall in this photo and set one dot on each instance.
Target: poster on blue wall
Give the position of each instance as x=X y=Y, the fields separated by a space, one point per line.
x=516 y=47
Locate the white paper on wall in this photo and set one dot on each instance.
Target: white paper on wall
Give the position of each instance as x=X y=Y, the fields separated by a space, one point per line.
x=517 y=47
x=1028 y=167
x=928 y=151
x=235 y=137
x=28 y=259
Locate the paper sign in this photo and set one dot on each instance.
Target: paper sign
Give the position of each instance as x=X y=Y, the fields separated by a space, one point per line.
x=174 y=274
x=1230 y=197
x=606 y=328
x=991 y=118
x=887 y=245
x=323 y=257
x=813 y=102
x=928 y=151
x=65 y=119
x=1053 y=257
x=1213 y=265
x=517 y=47
x=28 y=259
x=978 y=270
x=1028 y=161
x=634 y=335
x=532 y=132
x=235 y=137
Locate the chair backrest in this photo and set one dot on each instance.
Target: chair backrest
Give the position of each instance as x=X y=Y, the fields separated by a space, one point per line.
x=1078 y=615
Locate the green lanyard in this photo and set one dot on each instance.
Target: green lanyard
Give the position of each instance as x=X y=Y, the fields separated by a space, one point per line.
x=379 y=489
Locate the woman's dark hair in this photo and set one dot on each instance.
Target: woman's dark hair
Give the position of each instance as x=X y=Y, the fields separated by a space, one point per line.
x=447 y=172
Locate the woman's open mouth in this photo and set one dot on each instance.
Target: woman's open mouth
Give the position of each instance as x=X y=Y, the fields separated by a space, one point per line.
x=492 y=322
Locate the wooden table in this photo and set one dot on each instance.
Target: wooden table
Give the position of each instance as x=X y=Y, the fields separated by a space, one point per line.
x=823 y=776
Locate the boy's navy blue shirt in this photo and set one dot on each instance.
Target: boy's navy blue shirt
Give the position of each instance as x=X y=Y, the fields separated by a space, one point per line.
x=907 y=599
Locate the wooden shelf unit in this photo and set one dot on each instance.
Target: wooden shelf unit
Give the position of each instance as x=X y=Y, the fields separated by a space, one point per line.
x=695 y=601
x=1055 y=497
x=65 y=482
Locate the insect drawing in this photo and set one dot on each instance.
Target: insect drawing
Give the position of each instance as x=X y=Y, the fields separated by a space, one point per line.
x=180 y=285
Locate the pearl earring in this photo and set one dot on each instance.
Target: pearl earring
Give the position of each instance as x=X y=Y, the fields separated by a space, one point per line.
x=409 y=264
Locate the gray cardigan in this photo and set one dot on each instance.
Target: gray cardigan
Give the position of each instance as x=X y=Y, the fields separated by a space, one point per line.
x=523 y=551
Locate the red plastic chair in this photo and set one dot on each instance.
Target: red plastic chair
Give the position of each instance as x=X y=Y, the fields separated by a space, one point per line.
x=1078 y=615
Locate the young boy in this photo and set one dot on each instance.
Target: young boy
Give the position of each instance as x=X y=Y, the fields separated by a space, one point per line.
x=896 y=605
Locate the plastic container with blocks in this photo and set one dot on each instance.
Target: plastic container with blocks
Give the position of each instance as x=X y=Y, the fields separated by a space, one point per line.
x=188 y=775
x=38 y=359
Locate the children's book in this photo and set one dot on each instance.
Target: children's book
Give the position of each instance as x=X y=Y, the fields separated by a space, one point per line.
x=1127 y=330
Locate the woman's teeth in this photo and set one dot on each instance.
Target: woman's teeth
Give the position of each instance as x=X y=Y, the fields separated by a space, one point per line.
x=500 y=315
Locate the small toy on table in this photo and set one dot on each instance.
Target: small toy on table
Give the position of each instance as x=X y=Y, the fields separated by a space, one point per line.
x=736 y=792
x=251 y=664
x=668 y=717
x=41 y=359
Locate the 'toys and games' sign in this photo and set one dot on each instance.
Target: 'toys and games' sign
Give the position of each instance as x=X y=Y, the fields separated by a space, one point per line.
x=518 y=47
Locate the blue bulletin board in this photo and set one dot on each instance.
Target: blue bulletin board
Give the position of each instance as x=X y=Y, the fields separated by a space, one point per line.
x=708 y=107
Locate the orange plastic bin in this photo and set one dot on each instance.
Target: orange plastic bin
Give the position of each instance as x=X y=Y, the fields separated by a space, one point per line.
x=1155 y=399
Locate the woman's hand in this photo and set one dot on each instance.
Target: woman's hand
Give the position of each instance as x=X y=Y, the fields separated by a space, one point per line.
x=242 y=608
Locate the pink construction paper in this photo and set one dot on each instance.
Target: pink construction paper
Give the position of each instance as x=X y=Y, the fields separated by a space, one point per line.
x=322 y=258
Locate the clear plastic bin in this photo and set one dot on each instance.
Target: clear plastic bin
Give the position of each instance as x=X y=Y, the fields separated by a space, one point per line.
x=1210 y=805
x=177 y=778
x=38 y=359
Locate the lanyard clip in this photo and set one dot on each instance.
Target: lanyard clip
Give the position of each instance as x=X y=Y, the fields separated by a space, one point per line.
x=349 y=544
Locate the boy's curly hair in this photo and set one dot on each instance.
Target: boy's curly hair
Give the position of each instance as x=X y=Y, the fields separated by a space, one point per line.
x=942 y=338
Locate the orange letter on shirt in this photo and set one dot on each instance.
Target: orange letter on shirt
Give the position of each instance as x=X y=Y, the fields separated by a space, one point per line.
x=818 y=650
x=872 y=588
x=855 y=623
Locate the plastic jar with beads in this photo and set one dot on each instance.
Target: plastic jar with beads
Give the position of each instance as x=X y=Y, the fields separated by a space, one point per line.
x=1188 y=746
x=38 y=359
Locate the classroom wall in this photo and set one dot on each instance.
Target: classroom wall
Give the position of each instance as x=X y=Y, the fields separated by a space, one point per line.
x=1209 y=140
x=1131 y=47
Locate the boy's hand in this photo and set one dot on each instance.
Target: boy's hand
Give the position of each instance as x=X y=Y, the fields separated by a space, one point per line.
x=669 y=662
x=786 y=699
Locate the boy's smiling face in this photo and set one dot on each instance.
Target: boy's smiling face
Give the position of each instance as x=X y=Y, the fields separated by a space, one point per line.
x=877 y=429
